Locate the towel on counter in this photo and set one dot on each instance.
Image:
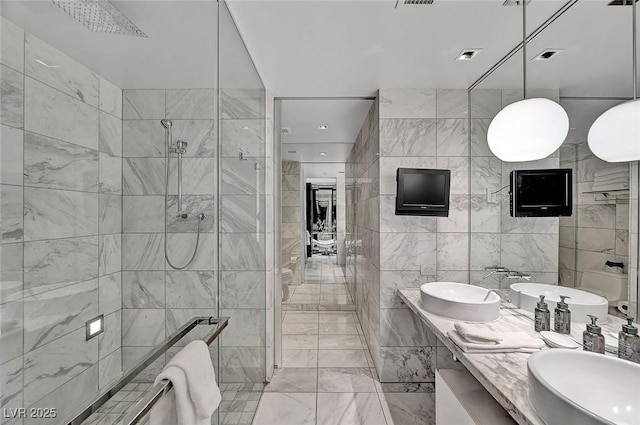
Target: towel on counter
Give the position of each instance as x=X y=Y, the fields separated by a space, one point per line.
x=477 y=335
x=614 y=178
x=511 y=342
x=195 y=392
x=610 y=186
x=610 y=173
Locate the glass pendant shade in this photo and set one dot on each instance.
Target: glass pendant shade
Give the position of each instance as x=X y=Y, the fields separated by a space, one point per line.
x=615 y=135
x=528 y=130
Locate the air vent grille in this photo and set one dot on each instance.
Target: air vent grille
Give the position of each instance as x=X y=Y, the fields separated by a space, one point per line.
x=286 y=130
x=418 y=1
x=621 y=3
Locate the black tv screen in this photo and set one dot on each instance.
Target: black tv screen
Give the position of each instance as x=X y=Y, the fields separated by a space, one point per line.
x=541 y=193
x=422 y=192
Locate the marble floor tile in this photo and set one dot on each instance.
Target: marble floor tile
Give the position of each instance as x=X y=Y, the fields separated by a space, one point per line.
x=300 y=342
x=416 y=408
x=299 y=329
x=338 y=329
x=349 y=409
x=339 y=342
x=310 y=317
x=294 y=380
x=286 y=408
x=342 y=358
x=345 y=380
x=336 y=317
x=300 y=358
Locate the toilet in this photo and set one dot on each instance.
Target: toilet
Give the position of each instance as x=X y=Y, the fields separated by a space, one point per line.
x=612 y=286
x=287 y=277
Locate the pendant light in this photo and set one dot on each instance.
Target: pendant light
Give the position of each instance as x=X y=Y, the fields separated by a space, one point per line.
x=529 y=129
x=615 y=135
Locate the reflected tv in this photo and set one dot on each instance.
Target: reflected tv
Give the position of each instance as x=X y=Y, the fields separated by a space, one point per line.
x=541 y=193
x=422 y=192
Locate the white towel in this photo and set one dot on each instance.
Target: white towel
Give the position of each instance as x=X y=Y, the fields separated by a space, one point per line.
x=610 y=186
x=611 y=172
x=621 y=179
x=512 y=342
x=477 y=335
x=195 y=391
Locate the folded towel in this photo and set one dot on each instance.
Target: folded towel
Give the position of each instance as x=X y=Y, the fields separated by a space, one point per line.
x=622 y=179
x=512 y=342
x=195 y=390
x=608 y=187
x=476 y=334
x=611 y=171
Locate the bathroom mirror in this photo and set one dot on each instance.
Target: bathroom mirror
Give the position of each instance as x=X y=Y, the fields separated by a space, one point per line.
x=604 y=223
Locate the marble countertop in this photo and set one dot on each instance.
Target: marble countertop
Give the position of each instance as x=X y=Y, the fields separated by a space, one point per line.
x=504 y=375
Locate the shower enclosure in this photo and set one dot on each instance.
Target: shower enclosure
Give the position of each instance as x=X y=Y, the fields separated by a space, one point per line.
x=96 y=221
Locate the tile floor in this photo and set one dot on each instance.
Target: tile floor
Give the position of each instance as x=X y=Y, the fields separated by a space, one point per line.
x=328 y=378
x=324 y=287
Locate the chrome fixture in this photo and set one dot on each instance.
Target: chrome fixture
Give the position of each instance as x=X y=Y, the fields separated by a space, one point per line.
x=180 y=148
x=99 y=16
x=518 y=275
x=495 y=269
x=495 y=291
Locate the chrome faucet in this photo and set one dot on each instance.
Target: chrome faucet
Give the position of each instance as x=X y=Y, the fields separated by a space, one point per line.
x=518 y=275
x=495 y=291
x=495 y=269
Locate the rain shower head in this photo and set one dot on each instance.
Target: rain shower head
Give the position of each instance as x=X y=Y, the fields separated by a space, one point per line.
x=99 y=16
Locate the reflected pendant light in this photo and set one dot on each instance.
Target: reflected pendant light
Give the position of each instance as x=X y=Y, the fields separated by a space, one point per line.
x=615 y=135
x=531 y=128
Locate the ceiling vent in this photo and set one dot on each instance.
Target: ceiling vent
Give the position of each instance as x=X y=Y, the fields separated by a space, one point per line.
x=418 y=1
x=547 y=54
x=620 y=3
x=292 y=151
x=286 y=130
x=468 y=54
x=514 y=2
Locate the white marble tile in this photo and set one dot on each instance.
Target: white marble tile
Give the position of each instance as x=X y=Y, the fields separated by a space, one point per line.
x=408 y=408
x=12 y=45
x=192 y=205
x=402 y=328
x=452 y=103
x=11 y=155
x=293 y=328
x=252 y=258
x=11 y=271
x=408 y=251
x=622 y=243
x=246 y=136
x=180 y=247
x=485 y=250
x=53 y=263
x=132 y=355
x=300 y=342
x=11 y=202
x=453 y=251
x=350 y=408
x=110 y=174
x=111 y=339
x=479 y=145
x=486 y=173
x=56 y=164
x=530 y=252
x=191 y=104
x=143 y=176
x=55 y=114
x=48 y=367
x=242 y=289
x=390 y=222
x=485 y=217
x=60 y=72
x=51 y=214
x=485 y=103
x=110 y=293
x=453 y=137
x=345 y=380
x=300 y=358
x=242 y=364
x=143 y=252
x=458 y=220
x=144 y=214
x=598 y=240
x=338 y=329
x=596 y=216
x=191 y=289
x=110 y=98
x=199 y=134
x=143 y=139
x=110 y=134
x=406 y=364
x=12 y=97
x=339 y=342
x=302 y=317
x=622 y=216
x=143 y=327
x=408 y=137
x=341 y=358
x=241 y=213
x=566 y=258
x=143 y=289
x=52 y=314
x=286 y=408
x=198 y=176
x=109 y=369
x=242 y=103
x=459 y=168
x=293 y=380
x=11 y=376
x=407 y=103
x=143 y=104
x=110 y=214
x=110 y=254
x=12 y=327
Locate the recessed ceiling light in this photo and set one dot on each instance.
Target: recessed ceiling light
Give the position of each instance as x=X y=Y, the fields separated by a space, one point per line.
x=514 y=2
x=323 y=153
x=620 y=3
x=323 y=127
x=547 y=54
x=292 y=151
x=468 y=54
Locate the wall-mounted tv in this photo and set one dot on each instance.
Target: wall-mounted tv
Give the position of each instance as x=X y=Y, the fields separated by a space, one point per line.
x=541 y=193
x=423 y=192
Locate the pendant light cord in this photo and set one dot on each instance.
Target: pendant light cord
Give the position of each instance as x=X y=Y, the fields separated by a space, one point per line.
x=524 y=49
x=635 y=60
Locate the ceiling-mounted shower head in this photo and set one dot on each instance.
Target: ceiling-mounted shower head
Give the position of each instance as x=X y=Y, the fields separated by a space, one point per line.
x=99 y=16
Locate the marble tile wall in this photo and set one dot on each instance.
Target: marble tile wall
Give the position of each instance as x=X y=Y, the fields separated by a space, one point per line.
x=291 y=219
x=61 y=192
x=529 y=245
x=599 y=228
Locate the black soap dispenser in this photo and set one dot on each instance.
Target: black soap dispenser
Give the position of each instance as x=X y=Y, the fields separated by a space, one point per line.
x=542 y=316
x=562 y=317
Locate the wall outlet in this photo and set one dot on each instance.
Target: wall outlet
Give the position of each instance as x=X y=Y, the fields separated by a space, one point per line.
x=492 y=196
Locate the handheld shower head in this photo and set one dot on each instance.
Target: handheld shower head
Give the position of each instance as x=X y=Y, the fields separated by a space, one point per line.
x=166 y=123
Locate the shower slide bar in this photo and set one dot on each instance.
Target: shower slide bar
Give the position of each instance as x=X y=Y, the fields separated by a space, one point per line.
x=153 y=394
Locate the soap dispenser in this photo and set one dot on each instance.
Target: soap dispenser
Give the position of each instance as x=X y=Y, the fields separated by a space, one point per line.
x=562 y=317
x=629 y=342
x=592 y=338
x=542 y=316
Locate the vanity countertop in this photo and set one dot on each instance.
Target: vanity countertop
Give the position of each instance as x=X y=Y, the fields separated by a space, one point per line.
x=503 y=375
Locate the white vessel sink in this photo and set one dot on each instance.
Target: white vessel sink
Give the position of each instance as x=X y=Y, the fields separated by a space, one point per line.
x=578 y=387
x=460 y=301
x=525 y=295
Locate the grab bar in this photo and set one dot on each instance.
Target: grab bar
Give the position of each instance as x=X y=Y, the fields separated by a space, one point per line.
x=153 y=395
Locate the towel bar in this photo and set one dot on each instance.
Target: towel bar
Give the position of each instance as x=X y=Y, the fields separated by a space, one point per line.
x=153 y=394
